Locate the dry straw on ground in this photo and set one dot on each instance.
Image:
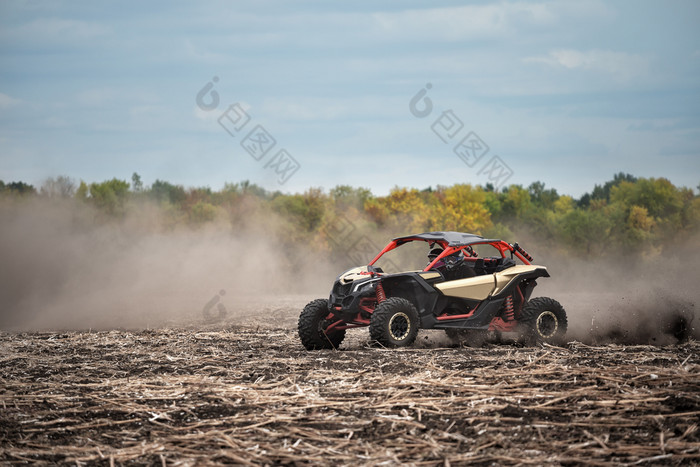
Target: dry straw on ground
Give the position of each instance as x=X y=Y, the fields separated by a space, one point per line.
x=253 y=396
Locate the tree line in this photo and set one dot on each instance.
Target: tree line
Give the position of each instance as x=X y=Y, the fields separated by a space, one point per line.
x=625 y=214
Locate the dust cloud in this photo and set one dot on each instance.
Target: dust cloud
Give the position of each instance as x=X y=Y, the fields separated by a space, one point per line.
x=624 y=298
x=65 y=267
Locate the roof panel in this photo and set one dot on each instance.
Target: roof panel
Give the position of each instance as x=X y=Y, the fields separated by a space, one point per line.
x=452 y=238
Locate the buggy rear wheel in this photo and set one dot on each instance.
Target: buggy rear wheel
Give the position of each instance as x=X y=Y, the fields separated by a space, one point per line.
x=313 y=324
x=394 y=323
x=544 y=320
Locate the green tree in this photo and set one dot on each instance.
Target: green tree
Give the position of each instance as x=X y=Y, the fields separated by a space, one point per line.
x=19 y=188
x=639 y=227
x=585 y=232
x=251 y=189
x=165 y=191
x=564 y=204
x=658 y=195
x=305 y=211
x=82 y=192
x=603 y=191
x=346 y=197
x=195 y=195
x=136 y=183
x=110 y=196
x=542 y=198
x=516 y=202
x=492 y=202
x=202 y=212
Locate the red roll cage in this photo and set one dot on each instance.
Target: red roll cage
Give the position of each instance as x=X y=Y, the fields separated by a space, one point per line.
x=500 y=245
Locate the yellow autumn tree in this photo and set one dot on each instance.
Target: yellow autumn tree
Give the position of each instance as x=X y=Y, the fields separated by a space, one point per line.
x=404 y=209
x=461 y=208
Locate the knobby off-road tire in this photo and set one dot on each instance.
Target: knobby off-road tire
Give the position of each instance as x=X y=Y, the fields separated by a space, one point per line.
x=394 y=323
x=543 y=320
x=312 y=324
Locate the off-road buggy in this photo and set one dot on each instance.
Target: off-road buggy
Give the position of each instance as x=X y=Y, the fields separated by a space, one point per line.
x=458 y=291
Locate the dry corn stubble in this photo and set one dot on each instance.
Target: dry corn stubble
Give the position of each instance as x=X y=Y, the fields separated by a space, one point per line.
x=248 y=395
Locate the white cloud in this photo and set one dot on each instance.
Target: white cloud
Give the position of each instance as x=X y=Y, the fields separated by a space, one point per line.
x=464 y=22
x=213 y=115
x=620 y=65
x=201 y=54
x=486 y=21
x=97 y=97
x=107 y=96
x=62 y=29
x=7 y=102
x=54 y=122
x=51 y=32
x=310 y=108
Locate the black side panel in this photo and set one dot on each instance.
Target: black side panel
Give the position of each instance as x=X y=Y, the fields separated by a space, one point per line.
x=481 y=319
x=413 y=288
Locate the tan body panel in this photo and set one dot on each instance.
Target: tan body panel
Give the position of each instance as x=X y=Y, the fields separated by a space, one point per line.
x=429 y=275
x=354 y=274
x=503 y=278
x=481 y=287
x=476 y=288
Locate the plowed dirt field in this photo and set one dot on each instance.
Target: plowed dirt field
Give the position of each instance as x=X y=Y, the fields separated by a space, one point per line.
x=251 y=395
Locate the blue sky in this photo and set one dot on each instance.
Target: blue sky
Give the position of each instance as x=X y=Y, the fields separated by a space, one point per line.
x=567 y=93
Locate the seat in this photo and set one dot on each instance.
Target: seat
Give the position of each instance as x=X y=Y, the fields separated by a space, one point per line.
x=484 y=266
x=504 y=263
x=479 y=268
x=462 y=271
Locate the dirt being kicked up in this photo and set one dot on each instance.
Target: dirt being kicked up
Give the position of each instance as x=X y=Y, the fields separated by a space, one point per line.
x=252 y=396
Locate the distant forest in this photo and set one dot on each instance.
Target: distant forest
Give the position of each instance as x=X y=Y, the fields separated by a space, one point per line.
x=626 y=214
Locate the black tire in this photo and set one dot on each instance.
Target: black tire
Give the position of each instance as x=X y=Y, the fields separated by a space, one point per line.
x=543 y=320
x=312 y=325
x=394 y=323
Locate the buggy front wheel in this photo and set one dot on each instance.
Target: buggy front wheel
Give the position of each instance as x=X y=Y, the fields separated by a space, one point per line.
x=313 y=324
x=394 y=323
